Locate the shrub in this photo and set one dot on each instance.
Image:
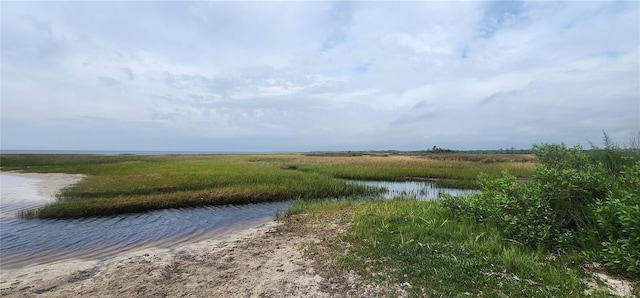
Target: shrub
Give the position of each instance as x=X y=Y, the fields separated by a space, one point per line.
x=618 y=223
x=569 y=181
x=514 y=208
x=588 y=200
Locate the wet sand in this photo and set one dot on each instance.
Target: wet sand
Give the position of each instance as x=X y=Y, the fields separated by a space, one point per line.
x=258 y=262
x=29 y=190
x=261 y=263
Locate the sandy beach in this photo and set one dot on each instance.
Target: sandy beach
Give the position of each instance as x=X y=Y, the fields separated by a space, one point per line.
x=264 y=261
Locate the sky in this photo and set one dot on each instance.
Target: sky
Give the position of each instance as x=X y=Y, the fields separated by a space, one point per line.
x=293 y=76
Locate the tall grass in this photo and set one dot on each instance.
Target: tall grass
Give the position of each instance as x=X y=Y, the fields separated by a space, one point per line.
x=122 y=184
x=416 y=248
x=447 y=173
x=130 y=183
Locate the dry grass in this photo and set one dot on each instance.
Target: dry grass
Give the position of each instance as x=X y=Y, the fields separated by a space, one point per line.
x=459 y=172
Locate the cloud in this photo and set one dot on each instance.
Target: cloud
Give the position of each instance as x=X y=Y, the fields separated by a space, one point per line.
x=129 y=73
x=318 y=75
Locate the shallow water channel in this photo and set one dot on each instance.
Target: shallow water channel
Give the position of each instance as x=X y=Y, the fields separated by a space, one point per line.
x=26 y=242
x=418 y=190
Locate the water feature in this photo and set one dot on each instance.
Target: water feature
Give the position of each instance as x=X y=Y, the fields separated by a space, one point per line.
x=25 y=242
x=419 y=190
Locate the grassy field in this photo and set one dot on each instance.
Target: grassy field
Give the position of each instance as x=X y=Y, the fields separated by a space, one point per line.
x=415 y=249
x=132 y=183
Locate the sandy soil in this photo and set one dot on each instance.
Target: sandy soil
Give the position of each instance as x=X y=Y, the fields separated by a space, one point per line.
x=261 y=262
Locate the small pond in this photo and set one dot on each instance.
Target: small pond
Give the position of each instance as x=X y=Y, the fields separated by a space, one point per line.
x=419 y=190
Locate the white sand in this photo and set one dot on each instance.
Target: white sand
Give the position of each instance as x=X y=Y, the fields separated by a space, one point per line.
x=19 y=191
x=258 y=262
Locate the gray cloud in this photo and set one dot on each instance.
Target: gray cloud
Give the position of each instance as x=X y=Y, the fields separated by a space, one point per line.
x=108 y=82
x=129 y=73
x=318 y=75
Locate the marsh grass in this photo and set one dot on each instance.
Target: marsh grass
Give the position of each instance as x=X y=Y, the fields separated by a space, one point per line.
x=458 y=173
x=416 y=248
x=134 y=183
x=125 y=184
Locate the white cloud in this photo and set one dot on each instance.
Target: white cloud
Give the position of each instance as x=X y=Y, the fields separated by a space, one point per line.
x=318 y=75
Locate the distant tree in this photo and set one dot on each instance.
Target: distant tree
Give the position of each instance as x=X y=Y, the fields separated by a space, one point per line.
x=437 y=149
x=634 y=142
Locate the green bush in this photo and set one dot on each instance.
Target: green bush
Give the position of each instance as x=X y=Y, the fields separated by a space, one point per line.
x=618 y=223
x=589 y=200
x=513 y=207
x=570 y=180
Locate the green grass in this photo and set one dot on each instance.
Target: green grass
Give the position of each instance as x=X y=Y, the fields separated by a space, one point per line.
x=131 y=183
x=394 y=247
x=413 y=247
x=459 y=173
x=123 y=184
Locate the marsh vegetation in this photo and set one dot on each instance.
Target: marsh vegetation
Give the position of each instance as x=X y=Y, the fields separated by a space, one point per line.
x=537 y=224
x=552 y=236
x=576 y=200
x=417 y=249
x=131 y=183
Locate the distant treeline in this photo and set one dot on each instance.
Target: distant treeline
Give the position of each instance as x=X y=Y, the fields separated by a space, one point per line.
x=438 y=150
x=433 y=150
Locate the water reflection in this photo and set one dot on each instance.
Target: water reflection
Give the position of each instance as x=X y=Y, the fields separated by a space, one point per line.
x=40 y=241
x=419 y=190
x=26 y=242
x=29 y=242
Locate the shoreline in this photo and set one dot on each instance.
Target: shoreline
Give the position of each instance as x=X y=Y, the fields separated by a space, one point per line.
x=28 y=191
x=48 y=184
x=262 y=260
